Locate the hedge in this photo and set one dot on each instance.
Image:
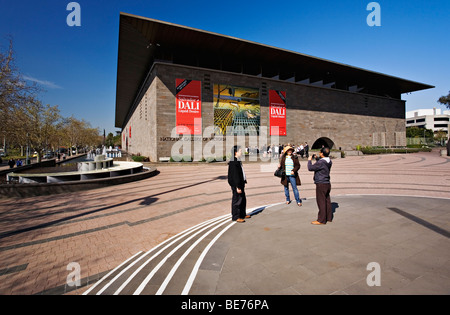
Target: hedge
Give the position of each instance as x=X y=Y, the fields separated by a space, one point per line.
x=372 y=150
x=139 y=158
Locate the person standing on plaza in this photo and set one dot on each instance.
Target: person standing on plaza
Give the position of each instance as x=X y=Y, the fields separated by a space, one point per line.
x=448 y=147
x=321 y=171
x=301 y=150
x=237 y=181
x=11 y=163
x=290 y=164
x=276 y=151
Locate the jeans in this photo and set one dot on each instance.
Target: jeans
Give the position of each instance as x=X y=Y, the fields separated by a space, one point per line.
x=291 y=180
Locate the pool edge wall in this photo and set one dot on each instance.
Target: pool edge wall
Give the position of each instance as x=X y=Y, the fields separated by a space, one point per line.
x=41 y=189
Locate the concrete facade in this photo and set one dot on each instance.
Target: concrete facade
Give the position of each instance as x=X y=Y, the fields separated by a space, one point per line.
x=433 y=119
x=346 y=118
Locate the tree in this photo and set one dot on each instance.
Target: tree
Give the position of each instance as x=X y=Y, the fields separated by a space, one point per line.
x=36 y=125
x=90 y=137
x=445 y=100
x=25 y=121
x=14 y=94
x=416 y=132
x=441 y=136
x=39 y=124
x=79 y=133
x=109 y=141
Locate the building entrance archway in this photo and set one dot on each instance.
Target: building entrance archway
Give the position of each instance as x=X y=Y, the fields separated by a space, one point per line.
x=324 y=141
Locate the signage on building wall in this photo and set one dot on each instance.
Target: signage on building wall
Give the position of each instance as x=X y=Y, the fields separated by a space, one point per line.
x=237 y=110
x=277 y=104
x=189 y=107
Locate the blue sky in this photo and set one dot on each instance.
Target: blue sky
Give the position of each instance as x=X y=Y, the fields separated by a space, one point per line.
x=77 y=66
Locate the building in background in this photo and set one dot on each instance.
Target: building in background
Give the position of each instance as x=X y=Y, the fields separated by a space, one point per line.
x=175 y=81
x=434 y=119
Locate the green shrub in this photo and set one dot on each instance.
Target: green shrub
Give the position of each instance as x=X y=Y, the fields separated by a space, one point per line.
x=184 y=158
x=139 y=158
x=379 y=150
x=215 y=159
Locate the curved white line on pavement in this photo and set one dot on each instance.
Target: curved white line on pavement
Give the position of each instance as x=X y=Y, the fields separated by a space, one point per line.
x=194 y=271
x=199 y=261
x=181 y=259
x=109 y=273
x=152 y=273
x=175 y=239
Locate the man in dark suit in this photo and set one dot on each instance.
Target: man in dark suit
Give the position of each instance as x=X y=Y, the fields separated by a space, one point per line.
x=237 y=181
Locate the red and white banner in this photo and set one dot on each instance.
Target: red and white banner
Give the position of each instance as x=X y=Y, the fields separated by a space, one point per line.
x=277 y=105
x=189 y=107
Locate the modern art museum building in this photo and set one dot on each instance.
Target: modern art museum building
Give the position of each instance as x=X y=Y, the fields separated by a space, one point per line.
x=179 y=87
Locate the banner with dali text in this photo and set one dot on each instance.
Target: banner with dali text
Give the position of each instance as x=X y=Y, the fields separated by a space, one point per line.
x=189 y=107
x=277 y=105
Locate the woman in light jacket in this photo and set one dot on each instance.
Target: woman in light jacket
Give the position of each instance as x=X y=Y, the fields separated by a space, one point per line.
x=290 y=164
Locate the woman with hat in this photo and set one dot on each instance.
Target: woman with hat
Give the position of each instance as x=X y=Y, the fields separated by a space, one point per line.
x=290 y=164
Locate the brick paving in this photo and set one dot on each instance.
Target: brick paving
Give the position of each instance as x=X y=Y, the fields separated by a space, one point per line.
x=102 y=228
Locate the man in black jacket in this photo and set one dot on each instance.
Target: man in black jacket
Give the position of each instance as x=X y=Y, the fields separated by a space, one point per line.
x=237 y=181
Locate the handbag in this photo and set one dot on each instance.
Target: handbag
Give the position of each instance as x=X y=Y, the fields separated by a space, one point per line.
x=279 y=172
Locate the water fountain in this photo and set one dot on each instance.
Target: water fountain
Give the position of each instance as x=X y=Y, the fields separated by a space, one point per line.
x=71 y=175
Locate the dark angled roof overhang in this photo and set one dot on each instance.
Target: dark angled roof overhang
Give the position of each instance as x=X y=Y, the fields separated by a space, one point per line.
x=142 y=41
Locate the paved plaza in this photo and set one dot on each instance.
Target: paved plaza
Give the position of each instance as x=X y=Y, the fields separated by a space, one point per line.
x=172 y=233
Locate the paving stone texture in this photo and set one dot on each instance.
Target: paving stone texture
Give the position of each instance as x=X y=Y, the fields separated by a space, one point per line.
x=153 y=236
